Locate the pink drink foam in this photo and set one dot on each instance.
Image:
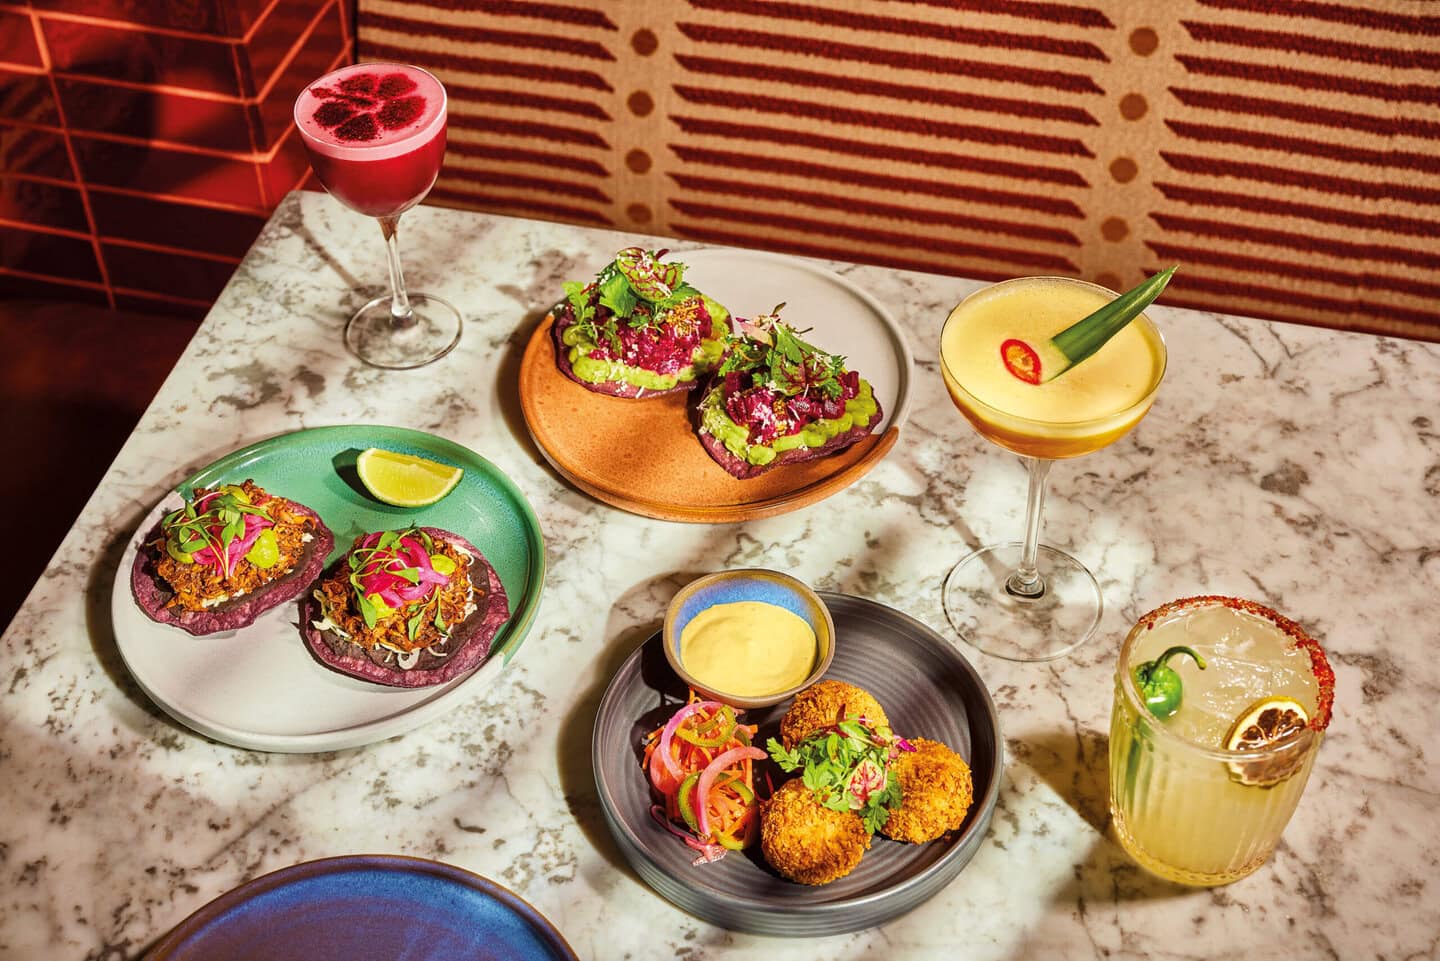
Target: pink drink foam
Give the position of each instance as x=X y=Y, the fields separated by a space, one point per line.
x=375 y=133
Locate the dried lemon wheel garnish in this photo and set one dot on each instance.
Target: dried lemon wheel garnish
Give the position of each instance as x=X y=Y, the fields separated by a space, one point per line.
x=1267 y=721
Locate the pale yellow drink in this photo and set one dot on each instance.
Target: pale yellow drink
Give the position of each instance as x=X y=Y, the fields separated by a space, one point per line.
x=1083 y=409
x=1182 y=805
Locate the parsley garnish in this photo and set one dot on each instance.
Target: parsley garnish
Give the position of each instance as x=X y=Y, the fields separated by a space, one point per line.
x=848 y=768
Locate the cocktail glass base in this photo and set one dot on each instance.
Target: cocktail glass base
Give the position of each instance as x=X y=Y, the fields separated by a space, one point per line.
x=991 y=618
x=375 y=337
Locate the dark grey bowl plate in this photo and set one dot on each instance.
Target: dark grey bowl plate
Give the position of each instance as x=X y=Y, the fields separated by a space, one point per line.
x=928 y=690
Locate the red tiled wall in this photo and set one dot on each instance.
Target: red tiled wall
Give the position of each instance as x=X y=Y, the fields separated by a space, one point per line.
x=143 y=143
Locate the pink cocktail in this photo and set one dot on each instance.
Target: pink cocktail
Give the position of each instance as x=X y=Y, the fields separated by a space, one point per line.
x=375 y=133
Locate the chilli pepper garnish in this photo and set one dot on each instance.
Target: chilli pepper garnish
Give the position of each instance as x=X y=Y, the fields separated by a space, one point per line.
x=1160 y=686
x=1036 y=364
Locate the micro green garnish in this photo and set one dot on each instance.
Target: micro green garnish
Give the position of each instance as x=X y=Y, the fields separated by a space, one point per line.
x=848 y=767
x=795 y=366
x=189 y=529
x=375 y=569
x=635 y=287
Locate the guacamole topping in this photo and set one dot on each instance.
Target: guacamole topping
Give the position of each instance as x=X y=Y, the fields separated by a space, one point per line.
x=639 y=323
x=737 y=437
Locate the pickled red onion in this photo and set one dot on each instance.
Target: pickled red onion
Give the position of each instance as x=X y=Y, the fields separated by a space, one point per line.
x=663 y=748
x=239 y=547
x=707 y=780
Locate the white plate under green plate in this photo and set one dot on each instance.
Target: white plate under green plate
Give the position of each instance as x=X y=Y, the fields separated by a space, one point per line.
x=259 y=687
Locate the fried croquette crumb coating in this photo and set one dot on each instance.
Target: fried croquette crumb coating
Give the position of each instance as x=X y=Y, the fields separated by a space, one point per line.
x=806 y=841
x=935 y=793
x=824 y=703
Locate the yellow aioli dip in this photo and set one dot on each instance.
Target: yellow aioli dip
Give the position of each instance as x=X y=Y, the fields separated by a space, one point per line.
x=748 y=648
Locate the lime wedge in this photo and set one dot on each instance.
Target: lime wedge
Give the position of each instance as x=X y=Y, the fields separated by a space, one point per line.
x=404 y=480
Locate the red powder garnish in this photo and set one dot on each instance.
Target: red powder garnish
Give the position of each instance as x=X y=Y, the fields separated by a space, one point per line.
x=399 y=113
x=333 y=113
x=1319 y=663
x=360 y=83
x=1021 y=360
x=358 y=128
x=365 y=104
x=395 y=85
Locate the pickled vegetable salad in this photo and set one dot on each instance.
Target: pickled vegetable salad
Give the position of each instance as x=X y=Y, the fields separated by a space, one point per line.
x=701 y=764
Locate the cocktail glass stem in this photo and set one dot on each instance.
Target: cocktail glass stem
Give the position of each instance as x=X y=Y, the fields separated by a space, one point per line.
x=1025 y=580
x=400 y=313
x=1023 y=600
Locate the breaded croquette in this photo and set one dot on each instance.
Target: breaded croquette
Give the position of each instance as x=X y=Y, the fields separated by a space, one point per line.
x=824 y=703
x=806 y=841
x=935 y=793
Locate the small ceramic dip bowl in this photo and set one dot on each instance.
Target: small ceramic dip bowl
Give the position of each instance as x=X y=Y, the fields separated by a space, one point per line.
x=749 y=584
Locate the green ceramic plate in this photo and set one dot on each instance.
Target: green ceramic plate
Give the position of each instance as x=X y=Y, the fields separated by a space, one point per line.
x=271 y=695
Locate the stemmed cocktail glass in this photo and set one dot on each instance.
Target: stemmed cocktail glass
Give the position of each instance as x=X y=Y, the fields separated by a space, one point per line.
x=375 y=133
x=1023 y=600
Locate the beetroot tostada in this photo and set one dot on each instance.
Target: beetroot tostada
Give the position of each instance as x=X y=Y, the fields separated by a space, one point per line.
x=227 y=556
x=637 y=329
x=407 y=608
x=776 y=399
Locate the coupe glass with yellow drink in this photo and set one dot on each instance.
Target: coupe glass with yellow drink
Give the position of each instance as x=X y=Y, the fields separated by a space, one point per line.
x=1207 y=763
x=1049 y=368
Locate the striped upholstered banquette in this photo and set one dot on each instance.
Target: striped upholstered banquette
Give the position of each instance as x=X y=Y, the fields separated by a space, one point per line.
x=1287 y=152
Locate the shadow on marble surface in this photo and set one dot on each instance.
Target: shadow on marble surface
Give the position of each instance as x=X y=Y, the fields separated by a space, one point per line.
x=1076 y=765
x=507 y=386
x=100 y=623
x=577 y=772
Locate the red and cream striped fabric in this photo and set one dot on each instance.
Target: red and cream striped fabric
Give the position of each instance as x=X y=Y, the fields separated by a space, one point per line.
x=1283 y=151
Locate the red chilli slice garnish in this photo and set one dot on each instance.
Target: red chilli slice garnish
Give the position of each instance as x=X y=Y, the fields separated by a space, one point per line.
x=1021 y=360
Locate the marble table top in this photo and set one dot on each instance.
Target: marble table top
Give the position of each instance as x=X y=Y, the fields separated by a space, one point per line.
x=1294 y=466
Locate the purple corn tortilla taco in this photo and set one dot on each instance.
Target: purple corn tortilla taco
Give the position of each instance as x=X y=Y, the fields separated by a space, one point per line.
x=776 y=400
x=227 y=556
x=637 y=330
x=408 y=608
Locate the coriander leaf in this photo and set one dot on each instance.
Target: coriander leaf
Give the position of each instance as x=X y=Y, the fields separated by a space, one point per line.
x=787 y=759
x=616 y=294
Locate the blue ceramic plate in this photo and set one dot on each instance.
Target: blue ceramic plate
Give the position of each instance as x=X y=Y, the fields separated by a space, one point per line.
x=928 y=689
x=365 y=906
x=272 y=695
